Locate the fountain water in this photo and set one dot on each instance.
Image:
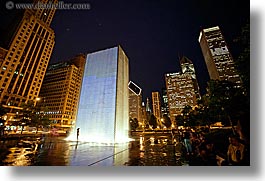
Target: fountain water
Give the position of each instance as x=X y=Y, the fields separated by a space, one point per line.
x=103 y=112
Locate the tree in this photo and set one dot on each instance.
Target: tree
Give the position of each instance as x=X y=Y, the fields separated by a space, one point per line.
x=31 y=115
x=3 y=111
x=185 y=112
x=179 y=120
x=167 y=121
x=153 y=121
x=134 y=124
x=243 y=60
x=25 y=115
x=40 y=118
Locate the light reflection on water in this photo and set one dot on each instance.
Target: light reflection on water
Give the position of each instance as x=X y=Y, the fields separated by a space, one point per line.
x=55 y=151
x=72 y=153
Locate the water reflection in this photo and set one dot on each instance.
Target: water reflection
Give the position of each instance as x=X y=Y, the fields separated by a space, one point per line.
x=55 y=151
x=22 y=153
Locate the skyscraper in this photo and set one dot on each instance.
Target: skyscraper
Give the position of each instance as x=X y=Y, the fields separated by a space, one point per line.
x=182 y=88
x=60 y=91
x=187 y=67
x=156 y=106
x=27 y=55
x=103 y=111
x=218 y=59
x=135 y=102
x=164 y=104
x=180 y=93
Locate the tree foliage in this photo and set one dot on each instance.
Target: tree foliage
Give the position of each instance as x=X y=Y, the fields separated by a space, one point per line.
x=167 y=121
x=153 y=121
x=31 y=115
x=243 y=60
x=134 y=124
x=3 y=111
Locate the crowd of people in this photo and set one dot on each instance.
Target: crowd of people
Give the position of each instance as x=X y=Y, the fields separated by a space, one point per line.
x=201 y=151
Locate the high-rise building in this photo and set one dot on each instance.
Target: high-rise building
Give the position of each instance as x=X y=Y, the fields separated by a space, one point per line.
x=28 y=51
x=164 y=103
x=180 y=93
x=144 y=115
x=103 y=111
x=182 y=88
x=135 y=102
x=218 y=59
x=187 y=67
x=60 y=91
x=156 y=106
x=147 y=107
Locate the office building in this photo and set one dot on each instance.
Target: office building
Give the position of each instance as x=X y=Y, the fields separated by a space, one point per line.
x=180 y=93
x=156 y=102
x=164 y=103
x=60 y=91
x=26 y=52
x=187 y=67
x=217 y=56
x=135 y=102
x=182 y=88
x=144 y=116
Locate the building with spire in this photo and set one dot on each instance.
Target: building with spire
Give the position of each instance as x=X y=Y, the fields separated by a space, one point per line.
x=26 y=50
x=217 y=56
x=148 y=107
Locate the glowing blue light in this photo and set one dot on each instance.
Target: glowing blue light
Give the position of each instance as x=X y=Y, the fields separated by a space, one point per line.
x=103 y=111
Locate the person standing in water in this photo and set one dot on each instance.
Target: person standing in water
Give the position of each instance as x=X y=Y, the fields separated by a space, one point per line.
x=77 y=133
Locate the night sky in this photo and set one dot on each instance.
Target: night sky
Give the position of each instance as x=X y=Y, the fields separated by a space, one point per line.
x=153 y=33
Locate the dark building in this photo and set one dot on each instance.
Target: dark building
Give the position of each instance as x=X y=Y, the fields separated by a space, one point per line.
x=135 y=102
x=217 y=56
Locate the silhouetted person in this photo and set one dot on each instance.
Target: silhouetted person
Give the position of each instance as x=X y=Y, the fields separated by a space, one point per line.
x=187 y=142
x=77 y=133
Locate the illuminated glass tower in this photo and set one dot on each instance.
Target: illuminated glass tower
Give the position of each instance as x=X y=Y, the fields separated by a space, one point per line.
x=103 y=112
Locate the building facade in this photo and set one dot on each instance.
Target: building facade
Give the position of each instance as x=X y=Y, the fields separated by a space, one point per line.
x=144 y=116
x=25 y=61
x=217 y=57
x=60 y=91
x=164 y=103
x=135 y=102
x=187 y=67
x=156 y=102
x=103 y=111
x=180 y=93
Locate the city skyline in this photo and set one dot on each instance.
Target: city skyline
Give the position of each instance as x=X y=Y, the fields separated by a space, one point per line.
x=108 y=59
x=154 y=34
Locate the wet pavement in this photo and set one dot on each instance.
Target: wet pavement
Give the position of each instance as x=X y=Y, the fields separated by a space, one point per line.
x=147 y=150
